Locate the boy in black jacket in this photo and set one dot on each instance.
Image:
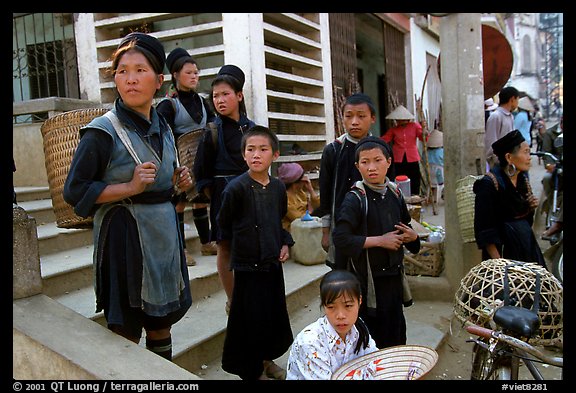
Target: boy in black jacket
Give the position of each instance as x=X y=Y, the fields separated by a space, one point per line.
x=337 y=170
x=250 y=222
x=372 y=228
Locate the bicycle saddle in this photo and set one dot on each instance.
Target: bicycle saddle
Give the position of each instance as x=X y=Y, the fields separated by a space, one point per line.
x=517 y=319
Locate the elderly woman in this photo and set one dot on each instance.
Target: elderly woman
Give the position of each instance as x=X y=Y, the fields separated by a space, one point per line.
x=504 y=204
x=301 y=195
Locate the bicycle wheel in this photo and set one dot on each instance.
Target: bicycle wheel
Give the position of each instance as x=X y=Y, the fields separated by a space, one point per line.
x=485 y=366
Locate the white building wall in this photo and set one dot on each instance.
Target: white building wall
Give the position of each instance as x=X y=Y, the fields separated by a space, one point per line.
x=421 y=43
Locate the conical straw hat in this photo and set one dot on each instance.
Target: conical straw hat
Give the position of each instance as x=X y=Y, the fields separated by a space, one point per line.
x=436 y=139
x=400 y=113
x=526 y=104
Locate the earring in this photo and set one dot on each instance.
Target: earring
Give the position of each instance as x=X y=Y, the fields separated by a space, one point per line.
x=514 y=170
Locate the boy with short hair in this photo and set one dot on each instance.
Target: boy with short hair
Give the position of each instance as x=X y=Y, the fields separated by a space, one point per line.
x=372 y=228
x=250 y=222
x=337 y=169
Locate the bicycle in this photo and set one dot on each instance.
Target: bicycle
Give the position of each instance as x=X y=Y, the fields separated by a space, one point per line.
x=492 y=303
x=497 y=355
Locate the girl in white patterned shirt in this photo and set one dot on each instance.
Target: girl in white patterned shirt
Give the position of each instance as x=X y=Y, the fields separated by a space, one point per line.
x=336 y=338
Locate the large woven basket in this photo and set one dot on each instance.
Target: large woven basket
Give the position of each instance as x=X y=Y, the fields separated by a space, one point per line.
x=465 y=204
x=187 y=145
x=481 y=291
x=60 y=135
x=401 y=362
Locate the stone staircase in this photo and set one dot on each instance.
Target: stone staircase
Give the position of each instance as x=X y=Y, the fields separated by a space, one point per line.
x=66 y=270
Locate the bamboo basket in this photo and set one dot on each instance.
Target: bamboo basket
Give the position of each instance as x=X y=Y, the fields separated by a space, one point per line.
x=187 y=146
x=401 y=362
x=428 y=262
x=61 y=135
x=481 y=291
x=465 y=204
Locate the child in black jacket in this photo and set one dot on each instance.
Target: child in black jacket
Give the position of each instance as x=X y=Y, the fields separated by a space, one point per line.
x=372 y=228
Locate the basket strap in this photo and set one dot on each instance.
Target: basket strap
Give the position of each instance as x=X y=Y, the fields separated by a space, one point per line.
x=121 y=132
x=536 y=302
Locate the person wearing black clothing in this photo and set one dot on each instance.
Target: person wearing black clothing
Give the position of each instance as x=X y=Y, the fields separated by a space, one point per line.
x=186 y=110
x=219 y=161
x=504 y=204
x=372 y=229
x=124 y=173
x=250 y=222
x=337 y=169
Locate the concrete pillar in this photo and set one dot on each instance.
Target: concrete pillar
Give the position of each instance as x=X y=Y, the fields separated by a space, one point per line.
x=26 y=275
x=243 y=37
x=88 y=73
x=463 y=126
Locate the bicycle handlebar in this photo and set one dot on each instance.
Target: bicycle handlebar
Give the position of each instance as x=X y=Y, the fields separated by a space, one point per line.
x=479 y=331
x=546 y=154
x=514 y=342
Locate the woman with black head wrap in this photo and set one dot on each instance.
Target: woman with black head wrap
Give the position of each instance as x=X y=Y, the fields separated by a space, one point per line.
x=504 y=204
x=124 y=173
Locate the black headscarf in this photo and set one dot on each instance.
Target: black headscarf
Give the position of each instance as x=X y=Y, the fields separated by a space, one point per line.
x=507 y=143
x=150 y=46
x=174 y=59
x=233 y=71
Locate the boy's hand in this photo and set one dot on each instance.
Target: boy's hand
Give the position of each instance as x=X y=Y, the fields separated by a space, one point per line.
x=390 y=240
x=407 y=233
x=284 y=254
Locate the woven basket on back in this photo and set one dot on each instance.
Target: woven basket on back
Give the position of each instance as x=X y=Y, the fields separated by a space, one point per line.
x=401 y=362
x=187 y=145
x=61 y=137
x=465 y=205
x=482 y=290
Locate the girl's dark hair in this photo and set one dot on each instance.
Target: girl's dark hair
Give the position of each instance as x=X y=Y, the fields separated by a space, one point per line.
x=372 y=142
x=234 y=84
x=342 y=282
x=360 y=98
x=263 y=131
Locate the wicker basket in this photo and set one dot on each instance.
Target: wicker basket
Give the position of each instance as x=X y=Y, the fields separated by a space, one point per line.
x=401 y=362
x=428 y=262
x=60 y=134
x=465 y=205
x=187 y=145
x=481 y=291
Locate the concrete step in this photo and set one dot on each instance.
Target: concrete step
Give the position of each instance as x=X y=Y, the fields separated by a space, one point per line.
x=24 y=194
x=198 y=338
x=427 y=323
x=68 y=279
x=52 y=239
x=40 y=209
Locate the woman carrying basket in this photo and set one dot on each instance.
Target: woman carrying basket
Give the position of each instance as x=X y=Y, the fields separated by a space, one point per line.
x=185 y=110
x=504 y=204
x=125 y=172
